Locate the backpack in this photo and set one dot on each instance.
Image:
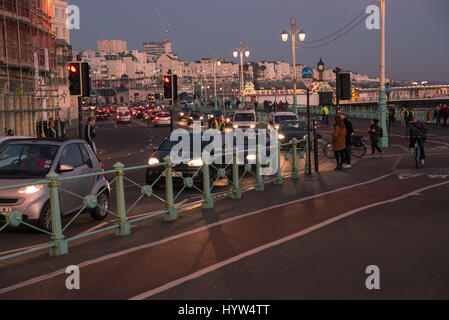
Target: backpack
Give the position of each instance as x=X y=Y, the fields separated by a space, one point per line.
x=381 y=131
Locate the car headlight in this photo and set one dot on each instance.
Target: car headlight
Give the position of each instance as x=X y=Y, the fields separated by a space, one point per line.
x=251 y=157
x=153 y=161
x=181 y=114
x=252 y=126
x=195 y=163
x=235 y=126
x=276 y=127
x=30 y=189
x=305 y=137
x=201 y=118
x=281 y=136
x=228 y=120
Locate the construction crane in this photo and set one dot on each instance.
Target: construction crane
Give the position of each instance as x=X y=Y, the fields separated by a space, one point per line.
x=166 y=29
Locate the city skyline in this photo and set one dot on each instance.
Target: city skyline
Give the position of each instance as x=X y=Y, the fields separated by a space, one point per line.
x=261 y=34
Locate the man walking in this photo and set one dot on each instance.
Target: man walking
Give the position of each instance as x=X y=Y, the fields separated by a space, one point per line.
x=51 y=130
x=89 y=133
x=349 y=133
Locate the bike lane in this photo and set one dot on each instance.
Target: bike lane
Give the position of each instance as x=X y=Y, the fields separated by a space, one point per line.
x=163 y=264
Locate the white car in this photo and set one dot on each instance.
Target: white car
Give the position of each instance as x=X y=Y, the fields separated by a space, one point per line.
x=123 y=115
x=276 y=118
x=162 y=119
x=244 y=119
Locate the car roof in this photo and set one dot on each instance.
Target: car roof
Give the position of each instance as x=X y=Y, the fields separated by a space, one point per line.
x=245 y=111
x=52 y=141
x=283 y=113
x=6 y=138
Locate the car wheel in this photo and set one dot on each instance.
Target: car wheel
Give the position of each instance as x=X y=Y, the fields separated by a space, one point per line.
x=44 y=221
x=101 y=210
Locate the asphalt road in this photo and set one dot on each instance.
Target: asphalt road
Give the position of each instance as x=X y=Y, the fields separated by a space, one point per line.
x=307 y=238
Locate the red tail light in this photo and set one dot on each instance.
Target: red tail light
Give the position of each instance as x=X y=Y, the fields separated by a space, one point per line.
x=169 y=118
x=157 y=118
x=118 y=117
x=102 y=169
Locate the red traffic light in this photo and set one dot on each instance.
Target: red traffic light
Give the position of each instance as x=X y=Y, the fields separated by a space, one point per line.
x=167 y=79
x=72 y=68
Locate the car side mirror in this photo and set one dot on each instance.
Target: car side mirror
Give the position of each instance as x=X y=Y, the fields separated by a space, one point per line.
x=65 y=168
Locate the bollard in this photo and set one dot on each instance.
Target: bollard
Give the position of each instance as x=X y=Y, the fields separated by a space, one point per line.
x=236 y=192
x=279 y=178
x=60 y=246
x=171 y=214
x=259 y=183
x=123 y=223
x=295 y=174
x=208 y=202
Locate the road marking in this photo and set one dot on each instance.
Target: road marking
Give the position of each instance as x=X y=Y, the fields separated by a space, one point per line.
x=433 y=141
x=219 y=265
x=180 y=235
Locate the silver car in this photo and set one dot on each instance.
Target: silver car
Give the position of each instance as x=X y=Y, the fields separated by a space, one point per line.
x=162 y=119
x=28 y=161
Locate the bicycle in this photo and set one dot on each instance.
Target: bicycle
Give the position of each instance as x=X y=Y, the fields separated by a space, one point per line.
x=358 y=148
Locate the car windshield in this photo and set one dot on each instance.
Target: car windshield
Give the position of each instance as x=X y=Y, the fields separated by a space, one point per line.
x=278 y=119
x=26 y=161
x=294 y=125
x=244 y=117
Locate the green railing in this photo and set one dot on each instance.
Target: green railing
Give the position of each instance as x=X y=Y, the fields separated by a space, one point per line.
x=287 y=154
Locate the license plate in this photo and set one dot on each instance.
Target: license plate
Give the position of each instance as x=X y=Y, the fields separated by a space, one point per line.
x=5 y=210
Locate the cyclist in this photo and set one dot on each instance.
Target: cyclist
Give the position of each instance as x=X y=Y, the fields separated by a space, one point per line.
x=417 y=132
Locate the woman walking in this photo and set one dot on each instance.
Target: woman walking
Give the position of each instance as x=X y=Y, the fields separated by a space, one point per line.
x=375 y=133
x=339 y=141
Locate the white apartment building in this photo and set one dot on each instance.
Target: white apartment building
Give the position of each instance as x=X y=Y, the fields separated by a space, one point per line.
x=59 y=26
x=282 y=70
x=111 y=46
x=157 y=49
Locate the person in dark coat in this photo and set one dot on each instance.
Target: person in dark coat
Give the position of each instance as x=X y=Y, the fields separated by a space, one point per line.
x=375 y=133
x=349 y=133
x=89 y=133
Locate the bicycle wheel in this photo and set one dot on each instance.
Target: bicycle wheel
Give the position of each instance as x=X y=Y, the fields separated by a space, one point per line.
x=358 y=151
x=327 y=150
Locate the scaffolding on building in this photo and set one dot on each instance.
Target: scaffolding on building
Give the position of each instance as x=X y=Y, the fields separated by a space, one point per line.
x=28 y=94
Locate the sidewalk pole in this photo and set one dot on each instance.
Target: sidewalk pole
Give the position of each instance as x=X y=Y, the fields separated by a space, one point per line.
x=315 y=145
x=60 y=246
x=208 y=202
x=259 y=184
x=236 y=192
x=295 y=173
x=171 y=214
x=279 y=171
x=123 y=223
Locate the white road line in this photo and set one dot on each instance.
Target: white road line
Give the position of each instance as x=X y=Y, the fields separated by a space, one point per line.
x=219 y=265
x=180 y=235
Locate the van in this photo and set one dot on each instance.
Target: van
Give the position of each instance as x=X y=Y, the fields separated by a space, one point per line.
x=275 y=119
x=244 y=119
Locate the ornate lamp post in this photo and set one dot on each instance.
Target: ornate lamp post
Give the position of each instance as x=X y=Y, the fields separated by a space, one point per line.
x=242 y=51
x=293 y=31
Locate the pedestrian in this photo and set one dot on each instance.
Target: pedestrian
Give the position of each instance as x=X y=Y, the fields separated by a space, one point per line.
x=89 y=133
x=436 y=115
x=444 y=115
x=375 y=133
x=418 y=134
x=402 y=114
x=391 y=114
x=51 y=130
x=348 y=140
x=339 y=142
x=325 y=113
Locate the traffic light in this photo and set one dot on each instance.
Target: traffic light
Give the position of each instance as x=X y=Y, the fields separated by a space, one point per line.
x=74 y=78
x=167 y=87
x=86 y=88
x=175 y=87
x=344 y=86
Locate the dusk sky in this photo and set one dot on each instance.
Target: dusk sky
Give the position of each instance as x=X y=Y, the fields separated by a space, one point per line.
x=417 y=31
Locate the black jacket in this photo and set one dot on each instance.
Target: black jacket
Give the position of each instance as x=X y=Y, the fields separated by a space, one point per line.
x=417 y=129
x=89 y=133
x=349 y=131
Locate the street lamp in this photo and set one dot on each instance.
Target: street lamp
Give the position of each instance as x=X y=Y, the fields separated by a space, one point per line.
x=382 y=108
x=293 y=31
x=215 y=63
x=242 y=51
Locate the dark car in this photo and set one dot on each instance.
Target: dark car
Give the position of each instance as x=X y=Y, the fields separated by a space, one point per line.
x=290 y=129
x=184 y=112
x=101 y=114
x=195 y=116
x=192 y=166
x=228 y=118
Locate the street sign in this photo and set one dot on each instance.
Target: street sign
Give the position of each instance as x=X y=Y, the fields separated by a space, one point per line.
x=307 y=72
x=307 y=82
